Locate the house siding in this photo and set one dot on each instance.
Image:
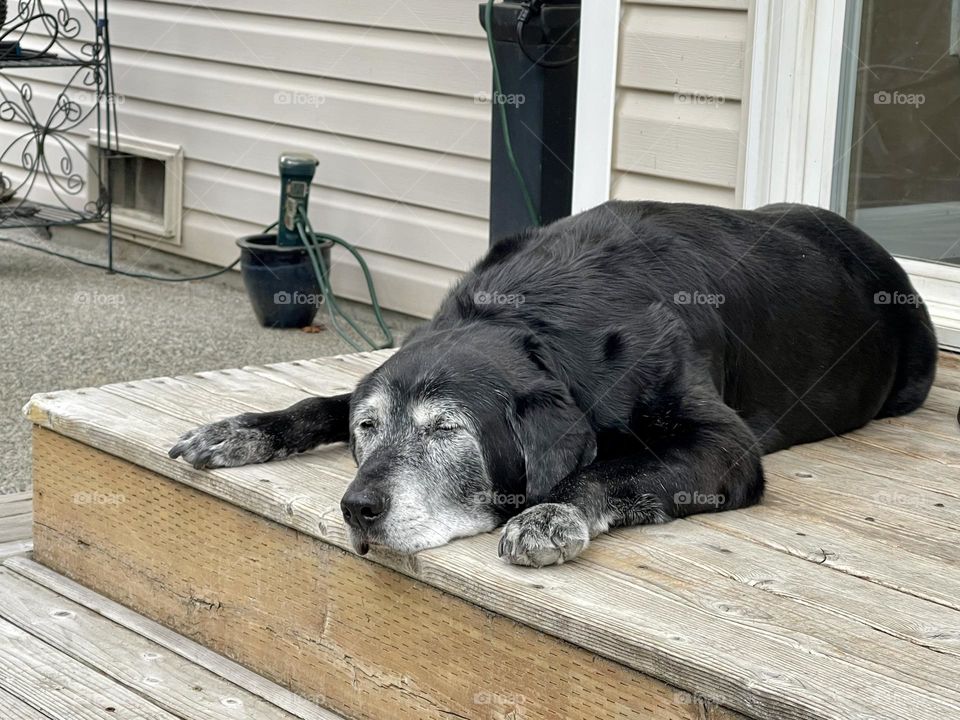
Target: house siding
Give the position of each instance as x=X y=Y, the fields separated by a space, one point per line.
x=384 y=94
x=678 y=133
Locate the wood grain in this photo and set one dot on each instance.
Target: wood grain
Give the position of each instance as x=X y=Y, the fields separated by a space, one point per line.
x=352 y=635
x=15 y=517
x=164 y=637
x=835 y=538
x=16 y=547
x=153 y=672
x=60 y=687
x=16 y=709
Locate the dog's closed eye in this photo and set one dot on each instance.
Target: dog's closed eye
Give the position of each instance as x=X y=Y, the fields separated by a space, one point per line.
x=446 y=425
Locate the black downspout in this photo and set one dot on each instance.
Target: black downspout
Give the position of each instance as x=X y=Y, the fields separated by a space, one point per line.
x=540 y=102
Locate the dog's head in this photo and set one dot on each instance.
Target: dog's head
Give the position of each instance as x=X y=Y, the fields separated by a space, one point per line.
x=453 y=434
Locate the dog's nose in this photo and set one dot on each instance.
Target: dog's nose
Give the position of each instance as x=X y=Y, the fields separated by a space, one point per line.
x=361 y=508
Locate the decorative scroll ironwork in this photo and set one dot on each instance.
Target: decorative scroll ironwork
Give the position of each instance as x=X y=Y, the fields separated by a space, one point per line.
x=44 y=152
x=55 y=27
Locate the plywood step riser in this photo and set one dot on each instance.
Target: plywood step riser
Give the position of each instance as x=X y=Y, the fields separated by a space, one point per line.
x=356 y=637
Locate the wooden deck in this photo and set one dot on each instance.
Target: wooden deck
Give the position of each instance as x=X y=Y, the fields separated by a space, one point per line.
x=67 y=653
x=16 y=520
x=838 y=597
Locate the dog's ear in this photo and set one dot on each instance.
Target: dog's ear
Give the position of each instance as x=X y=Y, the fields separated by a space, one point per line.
x=554 y=435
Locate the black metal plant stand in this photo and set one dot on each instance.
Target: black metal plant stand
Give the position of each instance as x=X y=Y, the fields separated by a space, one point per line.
x=37 y=35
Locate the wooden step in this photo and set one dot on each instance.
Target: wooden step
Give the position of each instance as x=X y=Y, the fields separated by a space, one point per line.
x=67 y=653
x=835 y=598
x=16 y=520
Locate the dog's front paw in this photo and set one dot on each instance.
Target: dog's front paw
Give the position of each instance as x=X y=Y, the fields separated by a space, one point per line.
x=228 y=443
x=547 y=534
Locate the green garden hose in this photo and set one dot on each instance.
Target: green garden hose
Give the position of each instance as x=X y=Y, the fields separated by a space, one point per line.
x=312 y=241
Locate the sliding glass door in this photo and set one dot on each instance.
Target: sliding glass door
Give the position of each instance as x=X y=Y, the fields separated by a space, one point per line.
x=898 y=141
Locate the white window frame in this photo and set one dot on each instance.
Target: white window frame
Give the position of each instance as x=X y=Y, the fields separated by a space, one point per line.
x=793 y=124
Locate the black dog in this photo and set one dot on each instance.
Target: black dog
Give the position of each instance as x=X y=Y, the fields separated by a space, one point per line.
x=628 y=365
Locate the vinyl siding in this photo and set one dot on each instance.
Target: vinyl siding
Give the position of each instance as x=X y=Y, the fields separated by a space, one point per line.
x=679 y=130
x=382 y=92
x=386 y=99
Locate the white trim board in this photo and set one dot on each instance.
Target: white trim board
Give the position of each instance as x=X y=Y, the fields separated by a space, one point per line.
x=792 y=103
x=938 y=286
x=596 y=100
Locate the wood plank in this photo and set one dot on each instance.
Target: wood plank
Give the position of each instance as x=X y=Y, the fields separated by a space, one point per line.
x=351 y=634
x=917 y=518
x=892 y=508
x=170 y=640
x=16 y=517
x=16 y=709
x=163 y=677
x=897 y=466
x=12 y=549
x=304 y=493
x=891 y=615
x=806 y=535
x=60 y=687
x=894 y=634
x=922 y=446
x=948 y=371
x=15 y=503
x=599 y=611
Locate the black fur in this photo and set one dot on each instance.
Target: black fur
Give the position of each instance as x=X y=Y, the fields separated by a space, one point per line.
x=635 y=361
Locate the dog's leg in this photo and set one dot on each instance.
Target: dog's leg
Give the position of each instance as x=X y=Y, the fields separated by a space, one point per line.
x=710 y=463
x=259 y=437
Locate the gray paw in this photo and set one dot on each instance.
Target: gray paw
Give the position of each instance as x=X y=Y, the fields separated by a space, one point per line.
x=547 y=534
x=227 y=443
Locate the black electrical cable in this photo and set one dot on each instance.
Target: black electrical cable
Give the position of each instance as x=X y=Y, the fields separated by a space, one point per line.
x=529 y=9
x=128 y=273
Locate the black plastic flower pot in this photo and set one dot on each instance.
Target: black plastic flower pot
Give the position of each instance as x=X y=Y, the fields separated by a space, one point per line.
x=280 y=280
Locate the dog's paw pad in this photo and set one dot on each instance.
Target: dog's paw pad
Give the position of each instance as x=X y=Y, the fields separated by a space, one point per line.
x=547 y=534
x=223 y=444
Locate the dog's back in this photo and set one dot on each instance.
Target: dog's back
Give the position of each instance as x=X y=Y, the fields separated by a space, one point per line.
x=805 y=322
